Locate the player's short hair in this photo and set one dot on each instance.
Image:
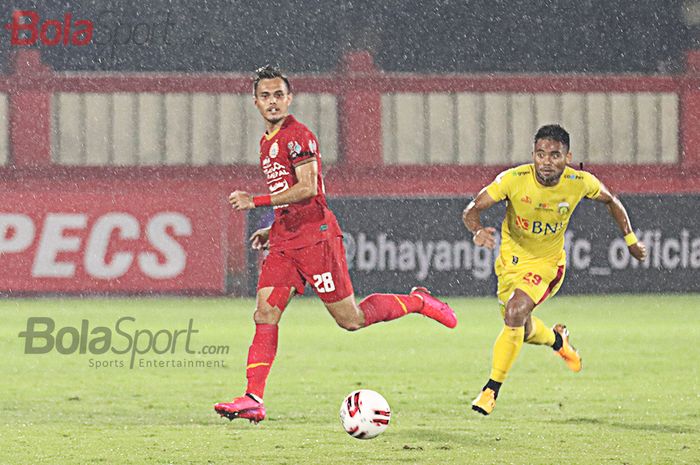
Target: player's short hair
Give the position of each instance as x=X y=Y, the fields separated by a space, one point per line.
x=553 y=132
x=269 y=72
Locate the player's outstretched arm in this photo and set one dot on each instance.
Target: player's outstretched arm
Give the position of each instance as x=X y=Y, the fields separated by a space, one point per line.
x=307 y=187
x=484 y=237
x=619 y=214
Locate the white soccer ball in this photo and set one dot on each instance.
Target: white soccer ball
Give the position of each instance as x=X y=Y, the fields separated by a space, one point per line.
x=364 y=414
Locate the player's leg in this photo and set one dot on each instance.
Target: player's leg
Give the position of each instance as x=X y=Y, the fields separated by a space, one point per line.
x=556 y=337
x=505 y=349
x=325 y=267
x=270 y=303
x=550 y=280
x=276 y=285
x=379 y=307
x=387 y=307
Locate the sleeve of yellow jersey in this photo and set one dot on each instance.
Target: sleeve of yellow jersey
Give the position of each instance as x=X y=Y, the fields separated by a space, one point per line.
x=592 y=185
x=498 y=189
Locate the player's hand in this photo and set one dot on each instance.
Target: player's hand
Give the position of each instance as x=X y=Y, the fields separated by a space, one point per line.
x=241 y=200
x=638 y=251
x=485 y=237
x=260 y=239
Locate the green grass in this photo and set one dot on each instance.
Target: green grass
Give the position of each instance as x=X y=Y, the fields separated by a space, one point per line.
x=637 y=401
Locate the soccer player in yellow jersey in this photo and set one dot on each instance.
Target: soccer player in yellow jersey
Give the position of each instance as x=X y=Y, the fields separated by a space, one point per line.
x=540 y=198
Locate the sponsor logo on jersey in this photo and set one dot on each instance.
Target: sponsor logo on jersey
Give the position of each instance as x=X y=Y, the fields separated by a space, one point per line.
x=538 y=227
x=573 y=176
x=294 y=149
x=312 y=146
x=526 y=199
x=279 y=186
x=275 y=171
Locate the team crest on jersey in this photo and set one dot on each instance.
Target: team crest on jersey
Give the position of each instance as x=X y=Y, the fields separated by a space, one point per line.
x=563 y=208
x=274 y=150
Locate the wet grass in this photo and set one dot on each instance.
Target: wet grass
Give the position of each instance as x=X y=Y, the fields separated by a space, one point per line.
x=636 y=401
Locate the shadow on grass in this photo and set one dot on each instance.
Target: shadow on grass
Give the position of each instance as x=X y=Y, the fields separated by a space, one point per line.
x=652 y=427
x=443 y=439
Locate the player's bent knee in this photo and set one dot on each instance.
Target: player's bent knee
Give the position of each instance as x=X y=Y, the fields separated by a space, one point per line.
x=516 y=314
x=349 y=325
x=266 y=316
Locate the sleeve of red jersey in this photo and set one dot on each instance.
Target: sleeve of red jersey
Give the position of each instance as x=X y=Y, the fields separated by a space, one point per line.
x=303 y=148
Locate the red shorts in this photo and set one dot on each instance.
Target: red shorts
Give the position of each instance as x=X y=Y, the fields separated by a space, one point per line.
x=322 y=264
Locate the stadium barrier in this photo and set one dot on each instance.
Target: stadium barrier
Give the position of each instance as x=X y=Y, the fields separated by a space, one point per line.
x=393 y=244
x=40 y=162
x=101 y=242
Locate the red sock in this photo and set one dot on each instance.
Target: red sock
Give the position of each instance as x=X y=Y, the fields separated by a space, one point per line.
x=261 y=354
x=386 y=307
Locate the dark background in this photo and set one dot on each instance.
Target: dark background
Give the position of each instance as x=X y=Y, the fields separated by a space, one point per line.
x=437 y=219
x=435 y=36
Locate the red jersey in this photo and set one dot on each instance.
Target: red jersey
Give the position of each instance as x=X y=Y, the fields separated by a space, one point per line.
x=303 y=223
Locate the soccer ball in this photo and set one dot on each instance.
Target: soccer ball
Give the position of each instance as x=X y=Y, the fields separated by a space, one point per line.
x=364 y=414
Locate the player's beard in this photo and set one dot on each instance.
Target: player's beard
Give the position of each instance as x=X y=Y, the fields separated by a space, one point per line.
x=275 y=119
x=549 y=180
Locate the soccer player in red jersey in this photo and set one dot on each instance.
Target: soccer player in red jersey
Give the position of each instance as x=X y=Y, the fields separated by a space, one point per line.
x=305 y=245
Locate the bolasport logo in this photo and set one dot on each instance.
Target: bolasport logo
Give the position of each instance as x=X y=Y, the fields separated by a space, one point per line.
x=138 y=347
x=27 y=28
x=109 y=29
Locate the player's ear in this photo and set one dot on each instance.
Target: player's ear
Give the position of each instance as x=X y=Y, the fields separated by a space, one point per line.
x=569 y=157
x=291 y=97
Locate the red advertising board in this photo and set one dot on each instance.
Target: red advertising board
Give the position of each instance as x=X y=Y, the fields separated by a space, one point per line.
x=129 y=241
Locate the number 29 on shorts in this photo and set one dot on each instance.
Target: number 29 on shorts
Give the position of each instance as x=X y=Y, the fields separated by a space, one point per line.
x=532 y=278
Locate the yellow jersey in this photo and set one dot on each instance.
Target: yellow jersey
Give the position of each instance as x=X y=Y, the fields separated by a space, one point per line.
x=536 y=215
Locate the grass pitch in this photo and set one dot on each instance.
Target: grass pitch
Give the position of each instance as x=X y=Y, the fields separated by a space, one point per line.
x=637 y=400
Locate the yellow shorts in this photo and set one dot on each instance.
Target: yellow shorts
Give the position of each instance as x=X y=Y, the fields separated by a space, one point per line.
x=538 y=279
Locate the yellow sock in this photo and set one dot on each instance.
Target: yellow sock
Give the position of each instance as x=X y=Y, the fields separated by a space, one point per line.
x=540 y=334
x=505 y=351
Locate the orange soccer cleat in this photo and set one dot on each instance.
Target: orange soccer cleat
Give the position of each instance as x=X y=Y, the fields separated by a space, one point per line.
x=485 y=402
x=567 y=351
x=434 y=308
